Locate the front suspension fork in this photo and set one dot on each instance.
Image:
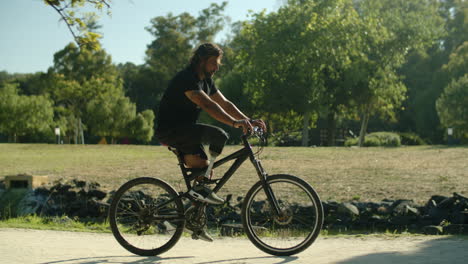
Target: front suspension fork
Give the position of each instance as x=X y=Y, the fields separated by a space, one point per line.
x=266 y=187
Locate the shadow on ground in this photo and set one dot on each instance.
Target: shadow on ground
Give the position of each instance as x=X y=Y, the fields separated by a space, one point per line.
x=156 y=260
x=450 y=250
x=119 y=259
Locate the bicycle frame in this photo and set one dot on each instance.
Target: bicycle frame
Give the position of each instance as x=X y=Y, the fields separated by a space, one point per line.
x=239 y=156
x=148 y=206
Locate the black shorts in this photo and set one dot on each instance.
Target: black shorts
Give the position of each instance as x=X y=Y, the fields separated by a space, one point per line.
x=189 y=139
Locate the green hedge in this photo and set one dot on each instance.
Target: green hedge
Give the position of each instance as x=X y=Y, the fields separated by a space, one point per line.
x=377 y=139
x=411 y=139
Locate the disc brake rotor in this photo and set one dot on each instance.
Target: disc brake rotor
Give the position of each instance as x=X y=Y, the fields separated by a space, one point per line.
x=285 y=217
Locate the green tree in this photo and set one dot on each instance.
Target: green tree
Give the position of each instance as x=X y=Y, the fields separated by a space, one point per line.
x=109 y=115
x=452 y=106
x=82 y=25
x=82 y=65
x=458 y=62
x=455 y=13
x=78 y=76
x=67 y=122
x=21 y=114
x=169 y=52
x=29 y=83
x=294 y=59
x=394 y=29
x=139 y=83
x=4 y=76
x=175 y=36
x=141 y=128
x=426 y=77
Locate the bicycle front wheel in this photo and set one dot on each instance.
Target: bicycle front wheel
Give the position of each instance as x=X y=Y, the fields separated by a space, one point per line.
x=297 y=225
x=146 y=217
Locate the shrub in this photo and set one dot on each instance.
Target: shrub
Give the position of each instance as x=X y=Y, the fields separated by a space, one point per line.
x=387 y=139
x=289 y=139
x=9 y=201
x=384 y=139
x=411 y=139
x=351 y=142
x=372 y=142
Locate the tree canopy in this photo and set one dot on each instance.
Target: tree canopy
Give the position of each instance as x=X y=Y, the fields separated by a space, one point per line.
x=311 y=64
x=21 y=115
x=82 y=25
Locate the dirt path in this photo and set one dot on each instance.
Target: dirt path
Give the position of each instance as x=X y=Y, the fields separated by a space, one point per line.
x=33 y=246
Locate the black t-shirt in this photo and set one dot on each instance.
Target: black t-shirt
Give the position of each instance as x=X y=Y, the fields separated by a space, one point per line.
x=175 y=108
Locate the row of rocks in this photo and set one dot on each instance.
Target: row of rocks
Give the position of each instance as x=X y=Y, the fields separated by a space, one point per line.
x=440 y=215
x=73 y=199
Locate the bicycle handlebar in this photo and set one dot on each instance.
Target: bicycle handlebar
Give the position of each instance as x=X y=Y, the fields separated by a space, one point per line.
x=258 y=131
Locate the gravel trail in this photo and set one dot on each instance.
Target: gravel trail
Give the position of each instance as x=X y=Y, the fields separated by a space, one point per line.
x=35 y=246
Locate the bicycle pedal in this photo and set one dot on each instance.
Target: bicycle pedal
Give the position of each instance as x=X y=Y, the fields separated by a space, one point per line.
x=209 y=181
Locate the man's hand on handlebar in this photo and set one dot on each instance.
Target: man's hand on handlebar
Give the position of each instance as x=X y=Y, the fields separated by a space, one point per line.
x=259 y=123
x=248 y=125
x=245 y=125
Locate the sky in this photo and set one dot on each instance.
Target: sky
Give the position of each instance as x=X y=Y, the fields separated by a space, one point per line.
x=31 y=31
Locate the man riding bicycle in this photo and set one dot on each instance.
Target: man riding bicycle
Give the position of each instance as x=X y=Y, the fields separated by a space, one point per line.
x=189 y=92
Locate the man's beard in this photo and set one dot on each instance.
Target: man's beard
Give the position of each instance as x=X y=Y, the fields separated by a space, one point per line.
x=209 y=74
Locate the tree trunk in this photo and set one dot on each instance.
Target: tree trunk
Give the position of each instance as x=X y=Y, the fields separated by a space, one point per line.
x=81 y=131
x=305 y=129
x=268 y=127
x=12 y=138
x=76 y=132
x=364 y=120
x=331 y=127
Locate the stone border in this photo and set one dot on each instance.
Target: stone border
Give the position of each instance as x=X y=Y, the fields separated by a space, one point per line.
x=440 y=215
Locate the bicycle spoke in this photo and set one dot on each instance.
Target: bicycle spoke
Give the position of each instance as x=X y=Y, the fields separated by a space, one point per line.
x=138 y=221
x=297 y=224
x=302 y=220
x=129 y=211
x=137 y=201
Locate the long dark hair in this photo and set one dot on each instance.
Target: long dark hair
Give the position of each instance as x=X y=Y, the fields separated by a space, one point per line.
x=204 y=51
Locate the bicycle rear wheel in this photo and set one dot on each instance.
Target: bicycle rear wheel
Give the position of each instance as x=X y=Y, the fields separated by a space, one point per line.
x=298 y=224
x=145 y=216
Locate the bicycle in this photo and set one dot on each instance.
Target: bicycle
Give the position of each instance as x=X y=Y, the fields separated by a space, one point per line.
x=281 y=214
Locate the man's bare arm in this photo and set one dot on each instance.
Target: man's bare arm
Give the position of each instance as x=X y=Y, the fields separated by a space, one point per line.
x=228 y=106
x=201 y=99
x=232 y=109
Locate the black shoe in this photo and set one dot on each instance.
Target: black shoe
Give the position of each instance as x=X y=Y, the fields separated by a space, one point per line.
x=202 y=235
x=205 y=194
x=199 y=234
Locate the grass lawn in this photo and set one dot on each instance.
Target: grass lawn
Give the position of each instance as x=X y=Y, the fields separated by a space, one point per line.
x=338 y=173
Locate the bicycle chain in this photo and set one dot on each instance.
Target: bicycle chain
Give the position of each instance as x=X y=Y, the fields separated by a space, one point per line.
x=196 y=217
